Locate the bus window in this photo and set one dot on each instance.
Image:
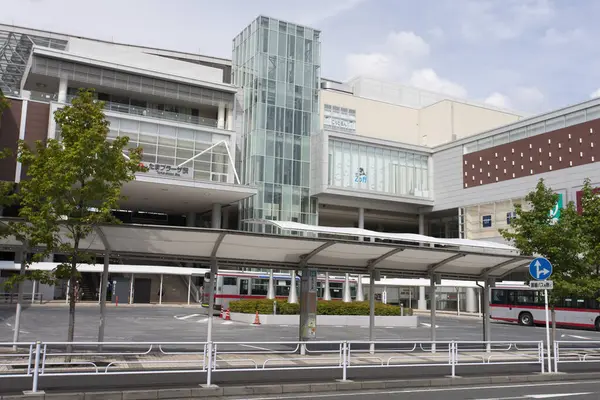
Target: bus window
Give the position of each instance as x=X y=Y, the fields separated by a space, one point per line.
x=243 y=287
x=259 y=287
x=498 y=296
x=229 y=281
x=282 y=288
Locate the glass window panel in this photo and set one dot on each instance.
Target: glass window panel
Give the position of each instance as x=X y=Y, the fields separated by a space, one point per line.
x=555 y=123
x=575 y=118
x=470 y=147
x=536 y=129
x=501 y=138
x=270 y=144
x=484 y=143
x=272 y=42
x=282 y=44
x=593 y=113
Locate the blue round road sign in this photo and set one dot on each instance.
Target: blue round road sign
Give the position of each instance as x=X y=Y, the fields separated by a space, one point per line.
x=540 y=269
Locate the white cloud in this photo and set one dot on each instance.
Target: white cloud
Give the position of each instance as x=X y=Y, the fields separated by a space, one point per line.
x=401 y=59
x=522 y=98
x=428 y=79
x=555 y=37
x=375 y=65
x=595 y=94
x=407 y=45
x=498 y=100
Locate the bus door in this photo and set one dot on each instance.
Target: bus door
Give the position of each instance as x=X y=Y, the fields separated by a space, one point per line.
x=244 y=286
x=229 y=290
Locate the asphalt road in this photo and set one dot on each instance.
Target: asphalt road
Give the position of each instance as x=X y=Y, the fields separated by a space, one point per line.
x=564 y=390
x=170 y=323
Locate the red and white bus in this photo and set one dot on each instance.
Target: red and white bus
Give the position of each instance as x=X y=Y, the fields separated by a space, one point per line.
x=526 y=307
x=236 y=285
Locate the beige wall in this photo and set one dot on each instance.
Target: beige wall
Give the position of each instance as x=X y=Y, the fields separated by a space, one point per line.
x=375 y=118
x=429 y=126
x=440 y=121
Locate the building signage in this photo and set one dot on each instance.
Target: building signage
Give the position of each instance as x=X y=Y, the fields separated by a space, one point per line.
x=339 y=123
x=555 y=212
x=541 y=285
x=168 y=170
x=360 y=176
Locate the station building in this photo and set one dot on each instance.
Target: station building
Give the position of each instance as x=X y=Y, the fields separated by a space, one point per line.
x=263 y=136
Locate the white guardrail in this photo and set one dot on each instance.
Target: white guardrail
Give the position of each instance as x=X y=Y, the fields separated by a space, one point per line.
x=93 y=358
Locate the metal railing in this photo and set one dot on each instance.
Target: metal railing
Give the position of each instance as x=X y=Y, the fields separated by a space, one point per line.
x=12 y=298
x=41 y=359
x=570 y=352
x=153 y=113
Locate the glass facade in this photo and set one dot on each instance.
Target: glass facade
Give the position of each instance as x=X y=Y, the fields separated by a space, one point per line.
x=358 y=166
x=170 y=146
x=277 y=65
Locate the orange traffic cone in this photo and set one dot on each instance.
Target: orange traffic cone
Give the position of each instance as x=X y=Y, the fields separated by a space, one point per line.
x=256 y=319
x=227 y=315
x=221 y=314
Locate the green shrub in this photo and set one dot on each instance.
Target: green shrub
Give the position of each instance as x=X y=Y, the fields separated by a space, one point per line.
x=265 y=306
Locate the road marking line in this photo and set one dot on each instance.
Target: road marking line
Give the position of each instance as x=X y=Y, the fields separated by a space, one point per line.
x=446 y=389
x=389 y=327
x=428 y=325
x=186 y=316
x=548 y=396
x=227 y=323
x=202 y=320
x=257 y=348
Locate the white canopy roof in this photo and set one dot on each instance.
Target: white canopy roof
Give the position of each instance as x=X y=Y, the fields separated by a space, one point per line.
x=450 y=258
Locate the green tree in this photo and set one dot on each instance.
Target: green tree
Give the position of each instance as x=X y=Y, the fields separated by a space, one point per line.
x=73 y=183
x=535 y=233
x=4 y=103
x=588 y=282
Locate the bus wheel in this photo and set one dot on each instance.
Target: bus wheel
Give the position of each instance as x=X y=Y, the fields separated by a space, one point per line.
x=597 y=323
x=526 y=319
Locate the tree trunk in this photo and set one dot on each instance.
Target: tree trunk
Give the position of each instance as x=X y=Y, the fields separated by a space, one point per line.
x=19 y=301
x=72 y=299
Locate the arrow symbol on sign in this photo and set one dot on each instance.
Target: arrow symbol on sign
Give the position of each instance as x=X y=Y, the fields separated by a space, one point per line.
x=540 y=272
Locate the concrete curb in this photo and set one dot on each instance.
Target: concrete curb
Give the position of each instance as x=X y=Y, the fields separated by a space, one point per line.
x=220 y=391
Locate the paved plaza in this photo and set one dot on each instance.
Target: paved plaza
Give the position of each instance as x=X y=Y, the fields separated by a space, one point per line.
x=189 y=323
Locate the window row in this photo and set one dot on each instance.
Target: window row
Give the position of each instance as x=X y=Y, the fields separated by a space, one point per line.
x=371 y=168
x=563 y=121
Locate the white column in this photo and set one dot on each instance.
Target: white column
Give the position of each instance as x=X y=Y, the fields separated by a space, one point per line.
x=190 y=219
x=22 y=127
x=33 y=291
x=347 y=298
x=372 y=311
x=189 y=288
x=422 y=302
x=68 y=290
x=433 y=310
x=160 y=290
x=471 y=301
x=293 y=296
x=326 y=291
x=221 y=117
x=131 y=280
x=216 y=216
x=62 y=90
x=271 y=288
x=229 y=122
x=100 y=289
x=360 y=295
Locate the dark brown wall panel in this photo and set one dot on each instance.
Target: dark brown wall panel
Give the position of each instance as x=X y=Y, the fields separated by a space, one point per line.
x=36 y=125
x=10 y=122
x=564 y=148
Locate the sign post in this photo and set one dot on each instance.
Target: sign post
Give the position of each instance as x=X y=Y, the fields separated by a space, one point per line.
x=540 y=269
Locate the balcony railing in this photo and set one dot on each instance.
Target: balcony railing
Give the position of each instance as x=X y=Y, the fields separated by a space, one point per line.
x=147 y=112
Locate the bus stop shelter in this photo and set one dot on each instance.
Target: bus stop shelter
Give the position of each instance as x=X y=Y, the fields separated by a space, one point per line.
x=326 y=249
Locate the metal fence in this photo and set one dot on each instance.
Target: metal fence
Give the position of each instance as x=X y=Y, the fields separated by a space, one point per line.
x=93 y=358
x=13 y=298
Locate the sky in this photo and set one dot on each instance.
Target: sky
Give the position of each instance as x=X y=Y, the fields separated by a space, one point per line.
x=529 y=56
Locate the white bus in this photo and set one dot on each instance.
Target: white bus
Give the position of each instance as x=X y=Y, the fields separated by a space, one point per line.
x=526 y=307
